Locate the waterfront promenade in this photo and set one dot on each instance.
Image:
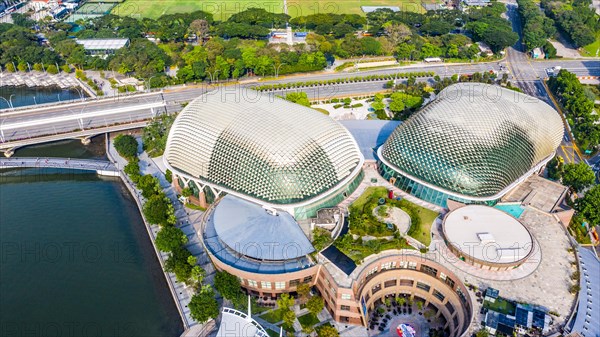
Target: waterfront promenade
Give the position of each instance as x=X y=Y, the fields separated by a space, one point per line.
x=100 y=166
x=186 y=219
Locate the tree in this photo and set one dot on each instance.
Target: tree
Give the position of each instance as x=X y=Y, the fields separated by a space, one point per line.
x=327 y=331
x=377 y=106
x=315 y=305
x=227 y=285
x=482 y=333
x=203 y=305
x=499 y=37
x=578 y=176
x=285 y=301
x=288 y=317
x=22 y=20
x=154 y=136
x=126 y=145
x=589 y=205
x=199 y=27
x=170 y=238
x=132 y=169
x=149 y=185
x=397 y=32
x=178 y=264
x=303 y=291
x=197 y=276
x=298 y=98
x=52 y=69
x=186 y=192
x=158 y=210
x=555 y=168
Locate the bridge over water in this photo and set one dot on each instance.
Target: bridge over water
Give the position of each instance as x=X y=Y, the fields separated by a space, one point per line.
x=102 y=167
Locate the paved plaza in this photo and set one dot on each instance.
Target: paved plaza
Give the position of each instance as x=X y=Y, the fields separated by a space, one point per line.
x=547 y=286
x=415 y=320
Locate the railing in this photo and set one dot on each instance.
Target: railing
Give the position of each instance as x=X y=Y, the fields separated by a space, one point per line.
x=64 y=163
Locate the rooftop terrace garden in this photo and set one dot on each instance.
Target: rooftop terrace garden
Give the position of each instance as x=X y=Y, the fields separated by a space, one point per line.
x=369 y=235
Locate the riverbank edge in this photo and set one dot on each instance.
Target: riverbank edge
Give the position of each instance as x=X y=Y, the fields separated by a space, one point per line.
x=132 y=192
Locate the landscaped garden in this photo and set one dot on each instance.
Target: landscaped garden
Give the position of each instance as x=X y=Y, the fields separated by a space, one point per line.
x=501 y=305
x=308 y=320
x=273 y=316
x=369 y=235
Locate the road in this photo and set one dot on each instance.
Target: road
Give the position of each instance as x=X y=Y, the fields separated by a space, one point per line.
x=524 y=70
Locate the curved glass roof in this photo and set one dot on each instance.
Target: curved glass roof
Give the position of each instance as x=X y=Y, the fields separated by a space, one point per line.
x=251 y=230
x=261 y=146
x=475 y=139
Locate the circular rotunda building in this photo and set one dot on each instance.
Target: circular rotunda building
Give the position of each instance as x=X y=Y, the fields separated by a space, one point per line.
x=472 y=144
x=263 y=149
x=487 y=237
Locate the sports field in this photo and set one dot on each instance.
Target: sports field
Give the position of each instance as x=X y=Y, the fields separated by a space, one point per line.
x=222 y=9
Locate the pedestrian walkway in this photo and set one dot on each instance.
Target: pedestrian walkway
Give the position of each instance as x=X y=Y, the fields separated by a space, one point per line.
x=185 y=221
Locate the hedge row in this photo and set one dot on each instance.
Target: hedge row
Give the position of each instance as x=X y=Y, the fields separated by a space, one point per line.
x=369 y=78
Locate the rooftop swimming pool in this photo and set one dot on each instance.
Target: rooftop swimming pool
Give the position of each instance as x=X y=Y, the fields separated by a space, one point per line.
x=513 y=209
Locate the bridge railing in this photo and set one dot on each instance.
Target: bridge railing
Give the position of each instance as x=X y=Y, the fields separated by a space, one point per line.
x=64 y=163
x=84 y=100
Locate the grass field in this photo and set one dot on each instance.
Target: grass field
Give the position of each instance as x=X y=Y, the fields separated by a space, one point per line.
x=308 y=320
x=222 y=9
x=501 y=305
x=273 y=316
x=592 y=49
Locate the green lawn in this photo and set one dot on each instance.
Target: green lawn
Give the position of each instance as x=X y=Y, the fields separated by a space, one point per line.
x=272 y=316
x=502 y=306
x=592 y=49
x=427 y=218
x=196 y=207
x=322 y=326
x=308 y=320
x=222 y=9
x=272 y=333
x=373 y=191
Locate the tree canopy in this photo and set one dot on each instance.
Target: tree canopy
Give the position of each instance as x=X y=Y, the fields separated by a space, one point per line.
x=589 y=205
x=203 y=305
x=577 y=19
x=578 y=108
x=170 y=238
x=315 y=305
x=159 y=210
x=536 y=26
x=227 y=285
x=126 y=145
x=578 y=176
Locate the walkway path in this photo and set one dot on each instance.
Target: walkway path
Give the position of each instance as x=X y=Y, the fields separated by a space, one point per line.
x=65 y=163
x=185 y=222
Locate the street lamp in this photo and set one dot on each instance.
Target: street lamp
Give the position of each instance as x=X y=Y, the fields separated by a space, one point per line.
x=277 y=69
x=356 y=65
x=79 y=92
x=213 y=75
x=7 y=102
x=149 y=83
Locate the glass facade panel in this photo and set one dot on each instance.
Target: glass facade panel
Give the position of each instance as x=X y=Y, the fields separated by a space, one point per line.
x=266 y=148
x=420 y=191
x=310 y=211
x=467 y=144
